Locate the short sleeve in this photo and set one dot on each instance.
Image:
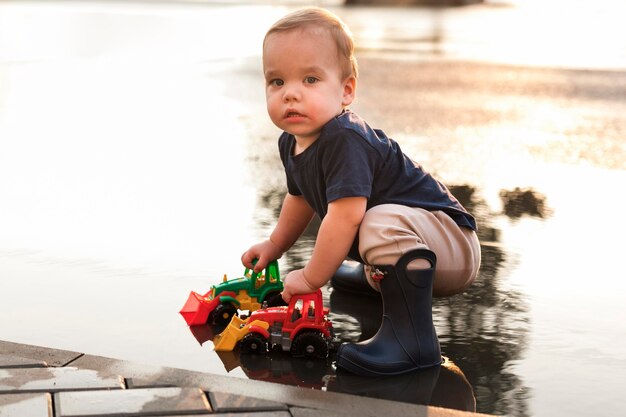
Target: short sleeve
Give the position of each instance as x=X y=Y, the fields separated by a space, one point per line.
x=347 y=165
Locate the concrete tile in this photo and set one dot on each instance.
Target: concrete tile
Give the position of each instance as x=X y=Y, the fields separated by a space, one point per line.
x=332 y=402
x=53 y=357
x=249 y=414
x=311 y=412
x=225 y=402
x=11 y=361
x=16 y=380
x=131 y=402
x=132 y=383
x=149 y=375
x=25 y=405
x=257 y=414
x=342 y=412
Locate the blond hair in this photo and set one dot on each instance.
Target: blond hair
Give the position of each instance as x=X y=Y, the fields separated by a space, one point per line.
x=318 y=17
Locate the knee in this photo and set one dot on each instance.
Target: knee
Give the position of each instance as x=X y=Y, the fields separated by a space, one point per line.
x=385 y=235
x=460 y=271
x=447 y=284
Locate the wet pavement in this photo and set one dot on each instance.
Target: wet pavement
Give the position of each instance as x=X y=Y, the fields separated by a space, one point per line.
x=44 y=382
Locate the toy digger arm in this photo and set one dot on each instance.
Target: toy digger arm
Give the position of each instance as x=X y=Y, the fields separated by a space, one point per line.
x=234 y=332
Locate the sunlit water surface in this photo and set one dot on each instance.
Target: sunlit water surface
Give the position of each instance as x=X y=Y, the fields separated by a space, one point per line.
x=137 y=163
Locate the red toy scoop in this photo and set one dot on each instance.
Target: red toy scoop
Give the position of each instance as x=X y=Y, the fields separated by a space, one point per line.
x=196 y=309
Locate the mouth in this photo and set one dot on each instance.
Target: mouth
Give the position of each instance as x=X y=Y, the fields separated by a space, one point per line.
x=292 y=114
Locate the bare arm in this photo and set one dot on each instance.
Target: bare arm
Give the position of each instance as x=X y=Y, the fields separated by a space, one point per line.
x=294 y=217
x=334 y=239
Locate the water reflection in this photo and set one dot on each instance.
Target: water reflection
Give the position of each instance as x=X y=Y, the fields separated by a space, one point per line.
x=270 y=201
x=485 y=328
x=443 y=386
x=518 y=202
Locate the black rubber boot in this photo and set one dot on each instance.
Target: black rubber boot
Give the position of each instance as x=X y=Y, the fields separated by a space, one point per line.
x=406 y=340
x=368 y=313
x=350 y=278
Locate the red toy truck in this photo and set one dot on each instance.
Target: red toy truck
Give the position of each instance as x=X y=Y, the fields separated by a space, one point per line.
x=302 y=328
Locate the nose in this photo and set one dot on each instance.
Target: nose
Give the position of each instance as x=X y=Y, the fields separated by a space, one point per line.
x=291 y=93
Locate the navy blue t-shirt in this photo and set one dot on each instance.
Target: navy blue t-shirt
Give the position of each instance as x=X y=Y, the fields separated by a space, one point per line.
x=350 y=159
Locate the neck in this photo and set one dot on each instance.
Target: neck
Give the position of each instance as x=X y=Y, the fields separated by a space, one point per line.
x=302 y=143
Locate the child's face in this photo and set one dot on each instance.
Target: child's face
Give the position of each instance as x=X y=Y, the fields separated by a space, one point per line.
x=305 y=87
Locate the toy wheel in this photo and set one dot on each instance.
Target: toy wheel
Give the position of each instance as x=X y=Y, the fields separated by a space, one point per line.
x=274 y=299
x=254 y=343
x=222 y=314
x=310 y=344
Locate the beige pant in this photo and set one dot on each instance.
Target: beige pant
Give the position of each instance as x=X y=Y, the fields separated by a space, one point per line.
x=388 y=231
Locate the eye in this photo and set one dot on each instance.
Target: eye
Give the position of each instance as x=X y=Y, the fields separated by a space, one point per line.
x=310 y=80
x=276 y=82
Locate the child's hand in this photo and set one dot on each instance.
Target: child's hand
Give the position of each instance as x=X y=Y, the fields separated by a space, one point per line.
x=296 y=283
x=264 y=252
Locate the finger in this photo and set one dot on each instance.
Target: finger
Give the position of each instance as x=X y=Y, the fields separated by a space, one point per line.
x=286 y=296
x=261 y=263
x=246 y=259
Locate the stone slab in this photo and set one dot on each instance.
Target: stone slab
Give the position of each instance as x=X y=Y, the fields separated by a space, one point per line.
x=25 y=405
x=322 y=401
x=311 y=412
x=257 y=414
x=53 y=357
x=11 y=361
x=131 y=402
x=226 y=402
x=133 y=383
x=420 y=411
x=248 y=414
x=16 y=380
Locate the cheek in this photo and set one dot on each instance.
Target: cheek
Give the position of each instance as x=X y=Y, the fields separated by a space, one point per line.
x=270 y=101
x=273 y=108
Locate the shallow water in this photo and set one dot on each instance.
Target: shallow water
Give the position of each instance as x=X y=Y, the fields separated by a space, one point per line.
x=137 y=163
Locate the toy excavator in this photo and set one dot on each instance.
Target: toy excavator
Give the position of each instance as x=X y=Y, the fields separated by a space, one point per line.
x=302 y=328
x=222 y=302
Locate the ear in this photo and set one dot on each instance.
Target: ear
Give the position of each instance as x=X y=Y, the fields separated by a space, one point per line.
x=349 y=91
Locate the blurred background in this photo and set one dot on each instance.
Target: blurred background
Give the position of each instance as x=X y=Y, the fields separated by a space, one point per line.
x=137 y=162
